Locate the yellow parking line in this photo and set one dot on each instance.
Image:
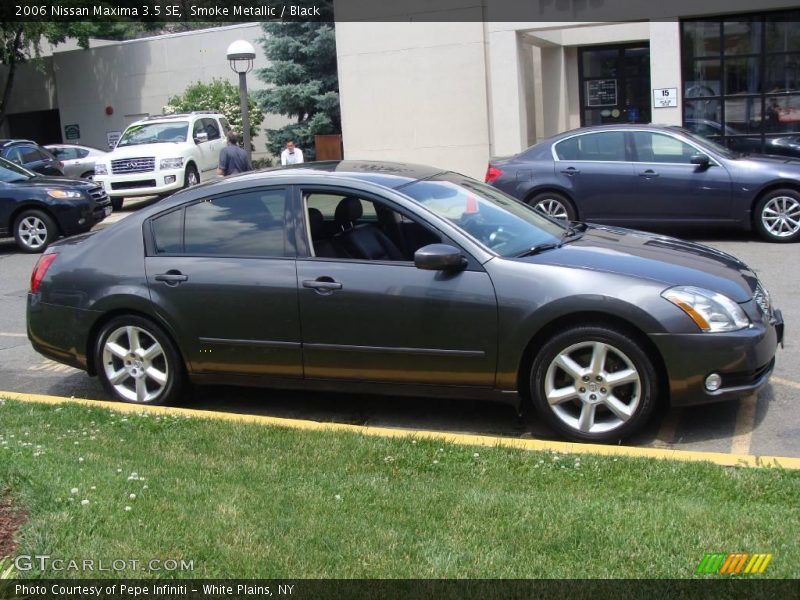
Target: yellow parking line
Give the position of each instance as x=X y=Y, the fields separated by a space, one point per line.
x=745 y=423
x=786 y=382
x=719 y=458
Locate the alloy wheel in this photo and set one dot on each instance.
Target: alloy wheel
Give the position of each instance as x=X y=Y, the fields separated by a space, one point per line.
x=593 y=387
x=552 y=208
x=33 y=232
x=781 y=216
x=135 y=364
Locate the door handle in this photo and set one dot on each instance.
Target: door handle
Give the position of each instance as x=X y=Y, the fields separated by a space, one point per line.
x=172 y=277
x=648 y=173
x=322 y=285
x=570 y=171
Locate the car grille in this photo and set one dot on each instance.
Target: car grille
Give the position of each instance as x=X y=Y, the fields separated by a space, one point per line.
x=133 y=165
x=761 y=296
x=99 y=195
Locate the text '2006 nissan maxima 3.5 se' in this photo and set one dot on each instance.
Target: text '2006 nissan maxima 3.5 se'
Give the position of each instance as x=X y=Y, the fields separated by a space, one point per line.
x=402 y=279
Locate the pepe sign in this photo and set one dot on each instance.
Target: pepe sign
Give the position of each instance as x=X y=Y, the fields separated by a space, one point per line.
x=72 y=132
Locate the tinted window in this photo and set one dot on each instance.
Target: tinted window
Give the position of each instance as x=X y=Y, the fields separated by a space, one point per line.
x=660 y=148
x=10 y=172
x=605 y=146
x=167 y=231
x=246 y=224
x=81 y=152
x=63 y=153
x=14 y=154
x=211 y=128
x=31 y=154
x=225 y=126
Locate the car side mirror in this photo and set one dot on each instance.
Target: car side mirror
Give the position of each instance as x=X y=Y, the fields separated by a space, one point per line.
x=201 y=137
x=700 y=159
x=439 y=257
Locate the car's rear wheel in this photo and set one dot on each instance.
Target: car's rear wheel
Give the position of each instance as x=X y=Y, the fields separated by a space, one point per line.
x=88 y=175
x=553 y=205
x=594 y=384
x=137 y=362
x=777 y=216
x=34 y=231
x=191 y=178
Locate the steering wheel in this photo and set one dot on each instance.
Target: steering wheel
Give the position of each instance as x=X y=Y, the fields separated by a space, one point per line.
x=498 y=238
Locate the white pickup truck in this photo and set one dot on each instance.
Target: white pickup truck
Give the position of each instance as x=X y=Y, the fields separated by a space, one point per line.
x=162 y=154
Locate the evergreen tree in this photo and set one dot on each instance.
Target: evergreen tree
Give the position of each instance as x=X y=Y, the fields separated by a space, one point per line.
x=304 y=83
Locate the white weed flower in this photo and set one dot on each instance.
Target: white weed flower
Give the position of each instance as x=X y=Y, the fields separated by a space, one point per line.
x=337 y=497
x=127 y=508
x=132 y=496
x=84 y=502
x=73 y=491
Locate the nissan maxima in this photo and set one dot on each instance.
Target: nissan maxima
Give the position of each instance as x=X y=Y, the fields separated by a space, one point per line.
x=398 y=279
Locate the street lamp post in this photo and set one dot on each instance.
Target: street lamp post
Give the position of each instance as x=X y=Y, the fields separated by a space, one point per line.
x=240 y=56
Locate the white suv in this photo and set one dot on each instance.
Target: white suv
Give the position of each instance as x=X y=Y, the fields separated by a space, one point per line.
x=162 y=154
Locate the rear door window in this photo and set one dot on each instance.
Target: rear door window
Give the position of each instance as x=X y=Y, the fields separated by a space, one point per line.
x=605 y=146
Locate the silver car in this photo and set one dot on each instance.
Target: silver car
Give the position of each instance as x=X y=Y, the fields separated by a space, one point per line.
x=78 y=160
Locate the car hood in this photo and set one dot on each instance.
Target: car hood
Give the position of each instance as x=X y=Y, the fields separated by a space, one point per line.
x=655 y=257
x=44 y=181
x=163 y=149
x=775 y=161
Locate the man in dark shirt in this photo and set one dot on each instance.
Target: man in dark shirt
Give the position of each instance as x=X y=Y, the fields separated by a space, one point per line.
x=233 y=159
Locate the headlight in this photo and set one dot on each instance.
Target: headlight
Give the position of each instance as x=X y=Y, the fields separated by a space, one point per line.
x=711 y=311
x=171 y=163
x=64 y=194
x=100 y=169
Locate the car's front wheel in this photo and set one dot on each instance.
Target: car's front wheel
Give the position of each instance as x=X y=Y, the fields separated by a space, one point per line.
x=116 y=202
x=137 y=362
x=777 y=216
x=594 y=384
x=34 y=230
x=191 y=178
x=553 y=205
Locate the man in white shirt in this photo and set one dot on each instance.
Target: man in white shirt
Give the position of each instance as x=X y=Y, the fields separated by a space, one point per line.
x=291 y=155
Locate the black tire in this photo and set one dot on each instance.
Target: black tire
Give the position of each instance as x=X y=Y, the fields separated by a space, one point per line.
x=191 y=178
x=116 y=203
x=773 y=213
x=594 y=395
x=554 y=205
x=34 y=231
x=137 y=367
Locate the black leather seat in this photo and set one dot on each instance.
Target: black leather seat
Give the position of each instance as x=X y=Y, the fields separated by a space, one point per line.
x=365 y=240
x=323 y=247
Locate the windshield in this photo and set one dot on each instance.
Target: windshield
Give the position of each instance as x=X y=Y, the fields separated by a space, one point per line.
x=499 y=222
x=11 y=173
x=710 y=144
x=154 y=133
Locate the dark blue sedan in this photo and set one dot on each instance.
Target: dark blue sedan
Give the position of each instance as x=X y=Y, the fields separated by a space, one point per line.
x=645 y=175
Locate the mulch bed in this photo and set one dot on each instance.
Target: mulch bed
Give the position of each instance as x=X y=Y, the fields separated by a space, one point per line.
x=11 y=518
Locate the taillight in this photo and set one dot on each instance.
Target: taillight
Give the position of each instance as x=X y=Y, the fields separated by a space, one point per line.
x=492 y=173
x=40 y=270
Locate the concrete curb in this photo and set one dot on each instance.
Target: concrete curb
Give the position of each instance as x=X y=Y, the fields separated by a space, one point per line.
x=718 y=458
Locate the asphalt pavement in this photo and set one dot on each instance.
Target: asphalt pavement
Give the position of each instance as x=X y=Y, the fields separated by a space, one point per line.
x=766 y=424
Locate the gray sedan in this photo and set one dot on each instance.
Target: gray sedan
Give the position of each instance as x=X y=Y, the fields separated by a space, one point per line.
x=401 y=279
x=78 y=160
x=649 y=175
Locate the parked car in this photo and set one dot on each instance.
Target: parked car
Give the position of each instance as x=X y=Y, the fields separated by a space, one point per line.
x=647 y=175
x=78 y=161
x=32 y=156
x=36 y=209
x=402 y=279
x=160 y=155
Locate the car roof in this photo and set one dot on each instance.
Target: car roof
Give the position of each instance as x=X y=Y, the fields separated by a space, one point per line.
x=6 y=143
x=387 y=174
x=48 y=146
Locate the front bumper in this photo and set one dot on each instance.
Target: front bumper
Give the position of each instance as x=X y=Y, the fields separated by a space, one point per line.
x=745 y=360
x=150 y=183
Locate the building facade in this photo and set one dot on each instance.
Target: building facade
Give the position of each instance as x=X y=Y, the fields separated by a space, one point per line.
x=90 y=96
x=446 y=84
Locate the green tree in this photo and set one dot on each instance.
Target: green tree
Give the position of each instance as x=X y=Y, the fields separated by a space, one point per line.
x=218 y=95
x=304 y=83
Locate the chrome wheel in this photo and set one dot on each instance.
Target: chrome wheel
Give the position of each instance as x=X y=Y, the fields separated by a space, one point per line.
x=592 y=387
x=552 y=208
x=135 y=364
x=781 y=216
x=32 y=232
x=192 y=178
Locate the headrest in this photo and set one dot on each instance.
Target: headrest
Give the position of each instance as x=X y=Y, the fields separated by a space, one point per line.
x=348 y=210
x=316 y=222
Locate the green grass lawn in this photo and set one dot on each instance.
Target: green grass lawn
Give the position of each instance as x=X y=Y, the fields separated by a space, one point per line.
x=252 y=501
